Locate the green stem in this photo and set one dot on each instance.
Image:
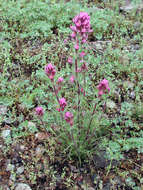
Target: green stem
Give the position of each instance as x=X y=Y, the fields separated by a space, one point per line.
x=57 y=99
x=91 y=119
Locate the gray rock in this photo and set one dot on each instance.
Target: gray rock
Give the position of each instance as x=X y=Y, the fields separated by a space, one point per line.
x=100 y=160
x=3 y=110
x=94 y=9
x=5 y=133
x=22 y=186
x=32 y=127
x=137 y=25
x=22 y=148
x=136 y=47
x=107 y=186
x=132 y=95
x=4 y=187
x=128 y=84
x=132 y=6
x=127 y=8
x=110 y=104
x=12 y=177
x=20 y=170
x=39 y=150
x=10 y=167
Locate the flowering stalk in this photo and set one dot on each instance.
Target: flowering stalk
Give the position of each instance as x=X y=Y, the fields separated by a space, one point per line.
x=78 y=89
x=40 y=112
x=57 y=99
x=80 y=32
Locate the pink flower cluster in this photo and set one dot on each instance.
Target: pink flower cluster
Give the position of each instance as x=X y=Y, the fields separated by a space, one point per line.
x=82 y=26
x=60 y=80
x=103 y=87
x=50 y=71
x=63 y=104
x=69 y=118
x=70 y=60
x=39 y=111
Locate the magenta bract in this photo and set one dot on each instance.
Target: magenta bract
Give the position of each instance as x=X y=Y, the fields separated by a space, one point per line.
x=82 y=26
x=69 y=118
x=39 y=111
x=50 y=71
x=103 y=87
x=62 y=103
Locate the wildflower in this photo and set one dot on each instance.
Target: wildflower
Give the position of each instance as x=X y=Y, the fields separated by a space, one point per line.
x=65 y=41
x=69 y=118
x=82 y=54
x=76 y=46
x=78 y=70
x=72 y=78
x=103 y=87
x=84 y=67
x=82 y=26
x=58 y=109
x=62 y=103
x=82 y=91
x=39 y=111
x=73 y=35
x=50 y=71
x=70 y=60
x=60 y=80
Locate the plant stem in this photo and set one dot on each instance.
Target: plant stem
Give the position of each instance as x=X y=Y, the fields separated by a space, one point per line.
x=57 y=99
x=43 y=123
x=78 y=89
x=90 y=121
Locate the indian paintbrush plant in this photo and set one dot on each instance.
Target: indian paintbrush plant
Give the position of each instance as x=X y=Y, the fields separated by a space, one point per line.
x=76 y=130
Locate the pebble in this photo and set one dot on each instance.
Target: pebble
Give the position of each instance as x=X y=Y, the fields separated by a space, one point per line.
x=132 y=95
x=128 y=84
x=137 y=25
x=10 y=167
x=127 y=8
x=22 y=186
x=110 y=104
x=3 y=110
x=20 y=170
x=39 y=150
x=4 y=187
x=5 y=133
x=32 y=127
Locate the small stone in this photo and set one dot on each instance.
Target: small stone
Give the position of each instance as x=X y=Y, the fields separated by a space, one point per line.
x=12 y=177
x=4 y=187
x=137 y=25
x=39 y=150
x=3 y=110
x=98 y=46
x=8 y=121
x=42 y=136
x=127 y=8
x=10 y=167
x=128 y=84
x=5 y=133
x=132 y=95
x=136 y=47
x=94 y=9
x=32 y=127
x=22 y=186
x=110 y=104
x=100 y=160
x=107 y=186
x=20 y=170
x=22 y=148
x=91 y=188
